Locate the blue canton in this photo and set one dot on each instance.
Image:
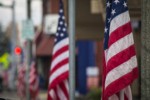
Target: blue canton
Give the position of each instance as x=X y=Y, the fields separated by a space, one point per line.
x=61 y=29
x=113 y=9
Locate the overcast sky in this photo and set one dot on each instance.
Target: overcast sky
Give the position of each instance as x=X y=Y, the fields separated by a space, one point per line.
x=20 y=10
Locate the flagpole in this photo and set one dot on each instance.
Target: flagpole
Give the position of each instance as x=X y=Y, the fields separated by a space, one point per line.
x=28 y=54
x=71 y=11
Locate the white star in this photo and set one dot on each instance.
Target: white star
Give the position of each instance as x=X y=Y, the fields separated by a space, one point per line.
x=61 y=10
x=55 y=40
x=109 y=19
x=113 y=11
x=125 y=4
x=62 y=34
x=61 y=22
x=64 y=29
x=57 y=34
x=63 y=17
x=106 y=30
x=108 y=4
x=59 y=29
x=116 y=1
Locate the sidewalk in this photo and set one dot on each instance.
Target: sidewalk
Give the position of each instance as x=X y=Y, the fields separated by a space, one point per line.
x=12 y=95
x=9 y=95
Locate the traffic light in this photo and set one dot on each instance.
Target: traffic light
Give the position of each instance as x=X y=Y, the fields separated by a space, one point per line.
x=18 y=50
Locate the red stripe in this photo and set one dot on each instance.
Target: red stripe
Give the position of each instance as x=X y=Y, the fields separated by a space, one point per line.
x=55 y=90
x=103 y=76
x=60 y=51
x=33 y=81
x=59 y=79
x=121 y=83
x=64 y=89
x=59 y=65
x=118 y=94
x=49 y=97
x=120 y=33
x=125 y=97
x=120 y=58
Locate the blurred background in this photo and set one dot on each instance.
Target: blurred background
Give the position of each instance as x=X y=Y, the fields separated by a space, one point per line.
x=27 y=31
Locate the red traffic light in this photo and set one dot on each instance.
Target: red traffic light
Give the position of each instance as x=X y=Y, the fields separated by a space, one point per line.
x=18 y=50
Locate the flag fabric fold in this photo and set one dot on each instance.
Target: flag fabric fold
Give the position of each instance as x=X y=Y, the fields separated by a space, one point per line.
x=120 y=63
x=58 y=88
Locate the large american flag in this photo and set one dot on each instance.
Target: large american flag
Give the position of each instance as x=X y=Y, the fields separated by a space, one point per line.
x=120 y=62
x=59 y=70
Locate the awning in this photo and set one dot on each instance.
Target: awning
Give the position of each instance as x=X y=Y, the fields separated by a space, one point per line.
x=44 y=47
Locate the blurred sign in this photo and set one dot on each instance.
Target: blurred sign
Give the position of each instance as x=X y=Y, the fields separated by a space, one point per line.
x=27 y=29
x=92 y=77
x=51 y=22
x=92 y=71
x=96 y=6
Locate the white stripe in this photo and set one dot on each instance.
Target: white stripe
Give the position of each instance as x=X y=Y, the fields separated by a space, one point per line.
x=113 y=97
x=58 y=72
x=32 y=78
x=121 y=70
x=119 y=46
x=32 y=73
x=66 y=85
x=118 y=21
x=35 y=85
x=128 y=92
x=52 y=94
x=59 y=58
x=32 y=70
x=60 y=93
x=60 y=45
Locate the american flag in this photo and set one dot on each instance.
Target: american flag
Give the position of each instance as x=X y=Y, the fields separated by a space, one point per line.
x=59 y=70
x=33 y=81
x=120 y=62
x=21 y=90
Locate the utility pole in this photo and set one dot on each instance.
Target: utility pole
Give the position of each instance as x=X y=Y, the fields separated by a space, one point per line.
x=145 y=54
x=28 y=51
x=13 y=39
x=13 y=26
x=29 y=9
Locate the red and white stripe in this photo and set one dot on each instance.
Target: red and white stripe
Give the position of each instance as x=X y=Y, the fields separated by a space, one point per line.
x=21 y=82
x=120 y=59
x=58 y=79
x=34 y=82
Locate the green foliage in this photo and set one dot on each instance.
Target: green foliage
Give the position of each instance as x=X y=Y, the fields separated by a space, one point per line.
x=94 y=94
